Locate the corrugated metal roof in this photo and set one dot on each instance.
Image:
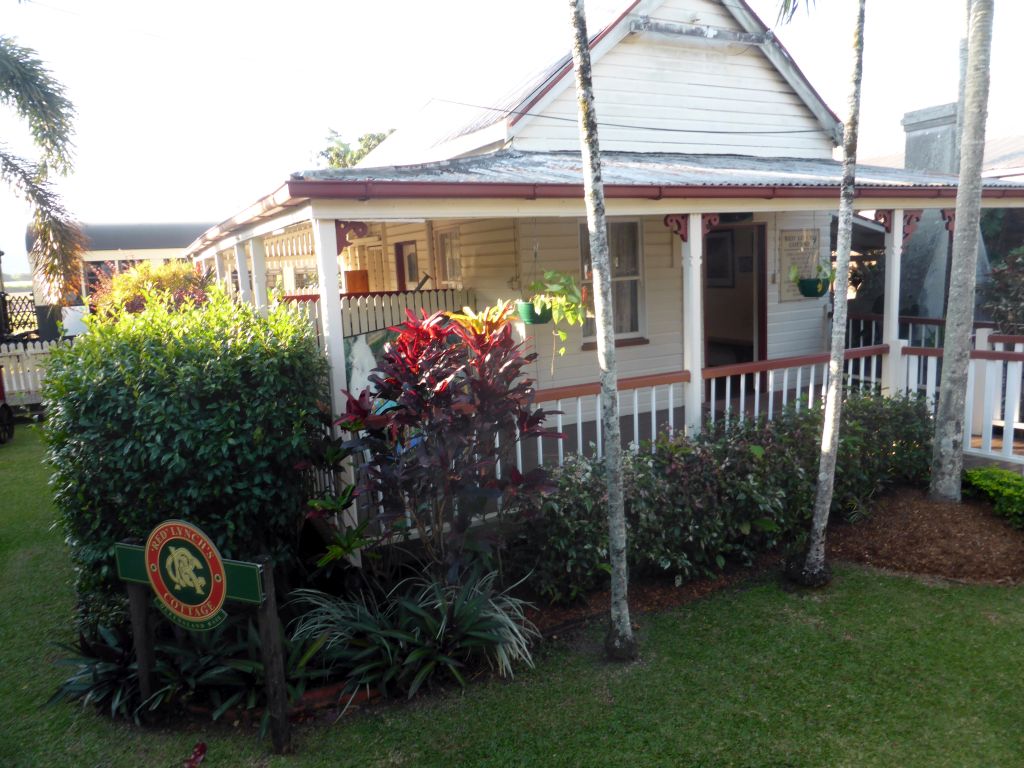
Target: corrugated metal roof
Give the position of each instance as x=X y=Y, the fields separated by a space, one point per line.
x=114 y=237
x=642 y=169
x=1006 y=152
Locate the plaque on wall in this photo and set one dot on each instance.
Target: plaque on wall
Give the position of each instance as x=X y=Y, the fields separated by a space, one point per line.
x=796 y=247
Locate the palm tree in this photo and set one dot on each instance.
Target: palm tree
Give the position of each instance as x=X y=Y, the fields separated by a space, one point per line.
x=948 y=447
x=814 y=570
x=620 y=642
x=27 y=86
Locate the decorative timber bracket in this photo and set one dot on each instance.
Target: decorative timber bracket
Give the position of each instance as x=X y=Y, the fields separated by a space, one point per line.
x=679 y=224
x=949 y=216
x=911 y=218
x=342 y=230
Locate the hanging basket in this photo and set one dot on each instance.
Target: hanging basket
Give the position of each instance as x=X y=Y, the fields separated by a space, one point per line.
x=530 y=316
x=812 y=287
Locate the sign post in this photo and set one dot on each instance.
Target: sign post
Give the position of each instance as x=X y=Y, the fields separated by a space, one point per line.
x=182 y=568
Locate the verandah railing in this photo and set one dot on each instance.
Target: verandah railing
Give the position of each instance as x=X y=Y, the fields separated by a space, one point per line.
x=865 y=330
x=651 y=405
x=759 y=389
x=994 y=405
x=369 y=312
x=648 y=405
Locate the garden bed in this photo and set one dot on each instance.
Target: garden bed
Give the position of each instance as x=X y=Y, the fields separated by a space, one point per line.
x=909 y=532
x=906 y=532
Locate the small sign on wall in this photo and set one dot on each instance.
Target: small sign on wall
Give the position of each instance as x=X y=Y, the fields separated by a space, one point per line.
x=799 y=247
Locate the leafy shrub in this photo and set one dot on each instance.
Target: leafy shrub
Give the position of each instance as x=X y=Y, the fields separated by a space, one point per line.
x=448 y=401
x=216 y=671
x=1004 y=488
x=104 y=674
x=1003 y=295
x=129 y=291
x=883 y=442
x=734 y=491
x=420 y=631
x=200 y=414
x=564 y=547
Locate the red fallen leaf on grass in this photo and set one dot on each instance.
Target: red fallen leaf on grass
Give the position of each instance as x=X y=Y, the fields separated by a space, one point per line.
x=197 y=756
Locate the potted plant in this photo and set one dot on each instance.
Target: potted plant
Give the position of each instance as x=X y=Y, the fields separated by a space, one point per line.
x=812 y=286
x=556 y=297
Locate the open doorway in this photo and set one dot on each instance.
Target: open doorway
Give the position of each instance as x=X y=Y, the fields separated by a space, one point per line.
x=735 y=292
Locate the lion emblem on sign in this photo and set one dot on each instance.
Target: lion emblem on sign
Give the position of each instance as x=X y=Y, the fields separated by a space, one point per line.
x=181 y=566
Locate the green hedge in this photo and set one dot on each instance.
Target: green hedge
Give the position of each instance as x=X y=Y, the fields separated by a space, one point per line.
x=1004 y=488
x=200 y=413
x=693 y=505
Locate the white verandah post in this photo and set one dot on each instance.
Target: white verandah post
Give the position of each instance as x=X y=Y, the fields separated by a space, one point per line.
x=892 y=367
x=325 y=243
x=259 y=274
x=693 y=323
x=242 y=266
x=221 y=269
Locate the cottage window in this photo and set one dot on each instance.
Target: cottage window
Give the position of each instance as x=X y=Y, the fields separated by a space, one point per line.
x=449 y=259
x=306 y=277
x=627 y=281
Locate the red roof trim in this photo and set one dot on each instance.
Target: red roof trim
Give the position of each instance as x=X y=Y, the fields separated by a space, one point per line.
x=367 y=190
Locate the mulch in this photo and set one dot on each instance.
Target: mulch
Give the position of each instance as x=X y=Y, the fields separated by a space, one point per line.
x=905 y=532
x=909 y=532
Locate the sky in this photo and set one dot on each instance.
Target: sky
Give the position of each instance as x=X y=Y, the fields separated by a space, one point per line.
x=191 y=110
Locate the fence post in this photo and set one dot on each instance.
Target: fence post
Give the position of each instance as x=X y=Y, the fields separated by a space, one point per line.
x=977 y=406
x=272 y=650
x=143 y=640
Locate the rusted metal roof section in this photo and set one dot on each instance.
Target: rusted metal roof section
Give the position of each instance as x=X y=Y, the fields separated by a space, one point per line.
x=626 y=174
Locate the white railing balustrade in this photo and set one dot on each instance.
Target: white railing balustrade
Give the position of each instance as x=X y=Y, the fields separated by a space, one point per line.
x=994 y=405
x=648 y=406
x=760 y=389
x=370 y=312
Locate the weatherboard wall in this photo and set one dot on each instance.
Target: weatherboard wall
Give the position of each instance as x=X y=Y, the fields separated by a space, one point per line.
x=656 y=93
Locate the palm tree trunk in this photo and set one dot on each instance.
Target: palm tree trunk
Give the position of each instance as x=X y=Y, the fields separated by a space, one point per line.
x=620 y=642
x=815 y=570
x=948 y=447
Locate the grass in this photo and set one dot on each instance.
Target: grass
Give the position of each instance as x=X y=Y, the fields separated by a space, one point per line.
x=877 y=671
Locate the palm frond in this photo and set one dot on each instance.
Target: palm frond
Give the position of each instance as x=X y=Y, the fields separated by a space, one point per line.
x=788 y=9
x=27 y=85
x=59 y=242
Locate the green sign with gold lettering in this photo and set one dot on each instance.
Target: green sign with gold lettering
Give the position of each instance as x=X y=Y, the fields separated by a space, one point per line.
x=189 y=578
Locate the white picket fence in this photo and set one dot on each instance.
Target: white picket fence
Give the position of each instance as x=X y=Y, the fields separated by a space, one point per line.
x=24 y=368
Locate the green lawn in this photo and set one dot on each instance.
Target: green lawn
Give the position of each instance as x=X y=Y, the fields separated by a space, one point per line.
x=877 y=671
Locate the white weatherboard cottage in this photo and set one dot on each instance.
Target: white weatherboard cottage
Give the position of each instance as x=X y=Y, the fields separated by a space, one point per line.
x=718 y=172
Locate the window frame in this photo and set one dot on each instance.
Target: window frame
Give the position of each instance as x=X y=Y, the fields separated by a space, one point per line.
x=445 y=279
x=641 y=291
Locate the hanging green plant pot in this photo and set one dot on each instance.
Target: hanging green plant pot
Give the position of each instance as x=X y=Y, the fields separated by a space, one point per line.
x=812 y=287
x=530 y=316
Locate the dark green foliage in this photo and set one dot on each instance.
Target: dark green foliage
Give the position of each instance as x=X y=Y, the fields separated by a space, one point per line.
x=200 y=414
x=206 y=671
x=736 y=491
x=421 y=631
x=1004 y=488
x=105 y=674
x=1003 y=295
x=883 y=442
x=564 y=546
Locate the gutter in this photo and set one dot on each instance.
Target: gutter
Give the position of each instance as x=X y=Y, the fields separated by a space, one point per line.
x=369 y=190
